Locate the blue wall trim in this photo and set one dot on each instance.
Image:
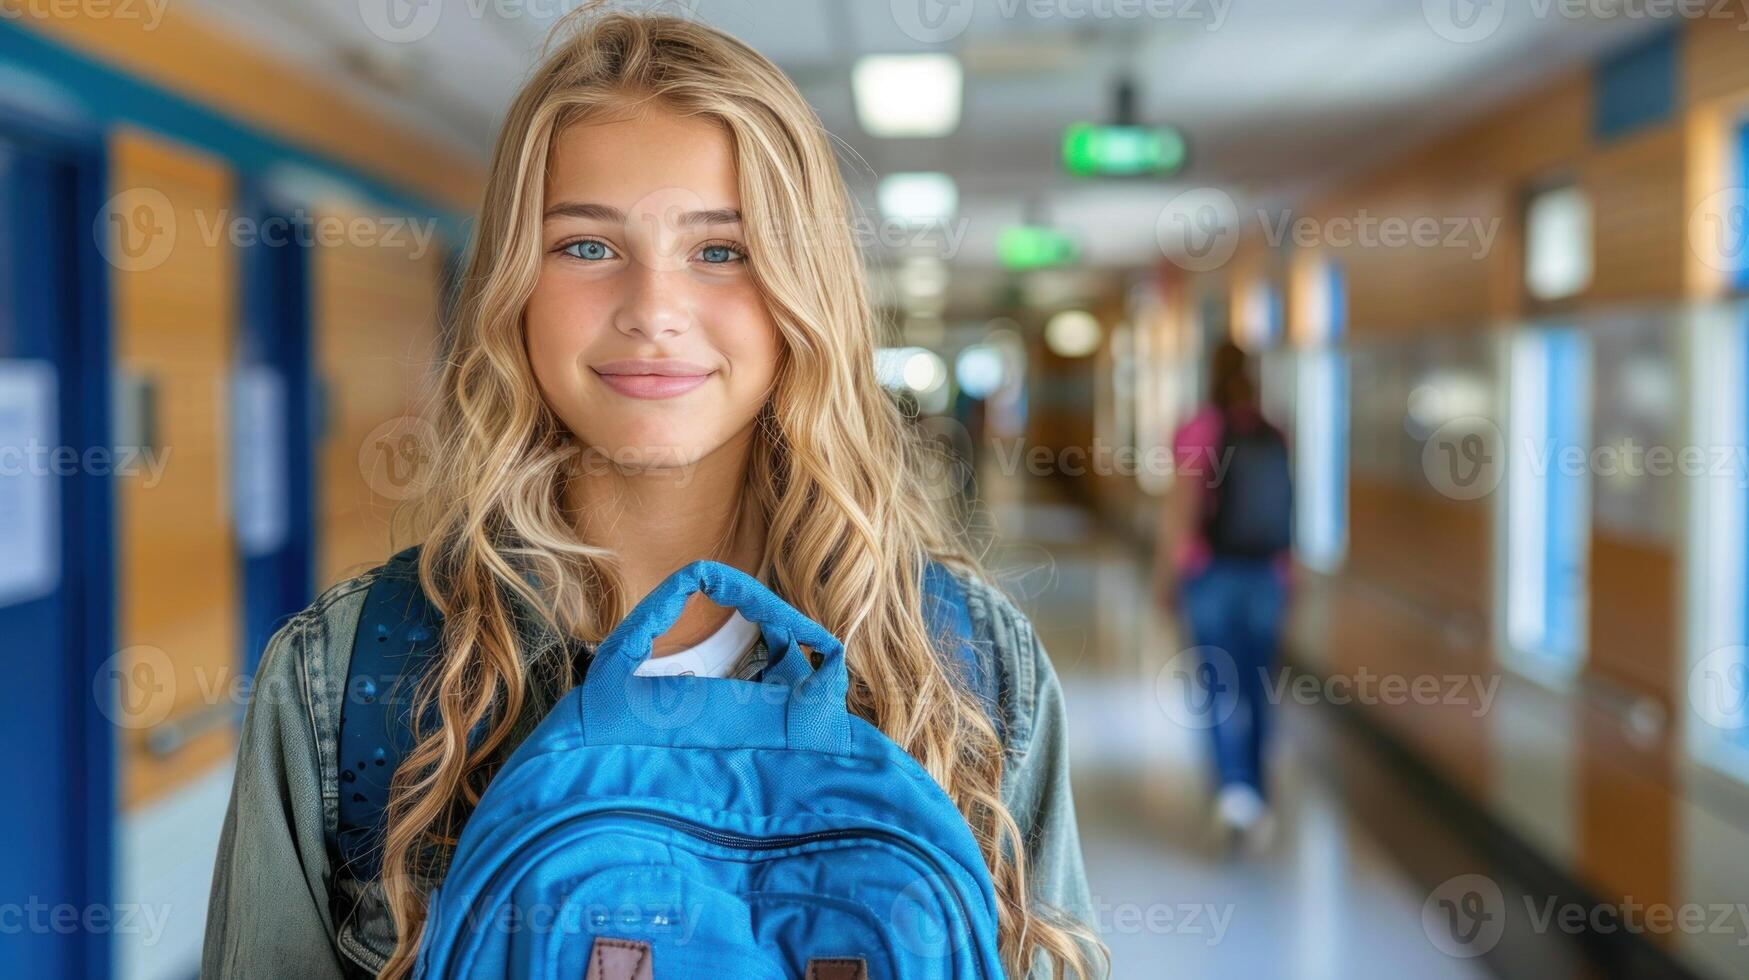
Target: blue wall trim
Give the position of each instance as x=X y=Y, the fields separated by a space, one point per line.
x=1636 y=88
x=109 y=97
x=1736 y=221
x=1338 y=278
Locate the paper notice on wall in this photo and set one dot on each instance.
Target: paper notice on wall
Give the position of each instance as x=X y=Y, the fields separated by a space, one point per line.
x=259 y=455
x=30 y=524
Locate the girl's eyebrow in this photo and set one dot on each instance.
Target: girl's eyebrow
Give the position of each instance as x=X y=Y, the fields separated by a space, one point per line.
x=604 y=212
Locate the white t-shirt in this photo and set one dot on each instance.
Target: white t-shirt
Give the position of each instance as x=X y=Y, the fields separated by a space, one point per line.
x=713 y=656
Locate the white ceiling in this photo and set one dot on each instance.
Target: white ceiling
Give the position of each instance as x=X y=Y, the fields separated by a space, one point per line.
x=1275 y=96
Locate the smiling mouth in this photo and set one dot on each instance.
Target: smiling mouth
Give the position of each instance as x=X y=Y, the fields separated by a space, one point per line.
x=651 y=385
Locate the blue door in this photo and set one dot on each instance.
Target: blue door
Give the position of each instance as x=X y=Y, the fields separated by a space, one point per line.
x=56 y=580
x=273 y=436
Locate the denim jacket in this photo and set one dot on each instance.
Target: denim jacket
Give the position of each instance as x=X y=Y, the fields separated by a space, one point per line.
x=279 y=907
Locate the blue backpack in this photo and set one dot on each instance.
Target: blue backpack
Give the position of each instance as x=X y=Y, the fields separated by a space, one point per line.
x=673 y=827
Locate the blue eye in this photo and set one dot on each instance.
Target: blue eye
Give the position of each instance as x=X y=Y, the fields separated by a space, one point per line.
x=588 y=250
x=720 y=254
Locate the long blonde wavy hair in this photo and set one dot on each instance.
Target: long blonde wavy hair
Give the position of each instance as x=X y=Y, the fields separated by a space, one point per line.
x=833 y=474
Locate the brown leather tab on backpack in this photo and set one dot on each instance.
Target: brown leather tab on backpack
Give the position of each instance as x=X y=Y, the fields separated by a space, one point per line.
x=838 y=968
x=619 y=959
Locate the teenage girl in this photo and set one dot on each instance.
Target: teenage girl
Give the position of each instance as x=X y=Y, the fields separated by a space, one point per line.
x=663 y=350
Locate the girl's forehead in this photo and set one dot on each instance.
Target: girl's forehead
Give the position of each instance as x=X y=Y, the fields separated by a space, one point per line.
x=622 y=161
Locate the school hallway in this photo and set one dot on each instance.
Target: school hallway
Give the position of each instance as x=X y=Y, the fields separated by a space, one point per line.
x=1486 y=265
x=1324 y=900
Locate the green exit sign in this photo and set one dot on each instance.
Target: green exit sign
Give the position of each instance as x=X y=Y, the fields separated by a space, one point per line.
x=1090 y=150
x=1034 y=247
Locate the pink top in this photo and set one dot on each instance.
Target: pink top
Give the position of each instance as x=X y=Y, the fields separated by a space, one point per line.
x=1196 y=448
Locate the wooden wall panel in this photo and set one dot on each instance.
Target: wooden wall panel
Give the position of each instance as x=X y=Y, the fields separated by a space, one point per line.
x=1634 y=609
x=1430 y=549
x=1638 y=217
x=375 y=319
x=1715 y=58
x=190 y=56
x=1477 y=173
x=1375 y=635
x=174 y=321
x=1450 y=285
x=1627 y=843
x=1546 y=130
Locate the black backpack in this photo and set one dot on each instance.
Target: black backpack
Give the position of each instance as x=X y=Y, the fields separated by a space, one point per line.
x=1250 y=512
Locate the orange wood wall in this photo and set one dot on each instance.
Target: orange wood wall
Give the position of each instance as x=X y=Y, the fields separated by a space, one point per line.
x=375 y=322
x=174 y=320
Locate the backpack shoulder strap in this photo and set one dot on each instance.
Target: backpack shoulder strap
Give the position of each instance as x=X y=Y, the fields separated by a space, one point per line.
x=399 y=631
x=944 y=608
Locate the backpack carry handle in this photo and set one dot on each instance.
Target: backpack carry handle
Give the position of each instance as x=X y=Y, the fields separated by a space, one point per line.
x=618 y=705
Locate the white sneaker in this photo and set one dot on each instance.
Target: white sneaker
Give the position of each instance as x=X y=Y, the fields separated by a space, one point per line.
x=1245 y=820
x=1240 y=807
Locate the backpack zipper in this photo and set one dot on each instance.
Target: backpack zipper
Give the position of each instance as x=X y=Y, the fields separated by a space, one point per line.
x=751 y=843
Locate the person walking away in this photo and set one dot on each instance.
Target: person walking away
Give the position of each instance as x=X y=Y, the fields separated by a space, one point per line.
x=1222 y=567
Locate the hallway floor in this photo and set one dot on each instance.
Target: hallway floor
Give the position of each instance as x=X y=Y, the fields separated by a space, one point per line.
x=1323 y=900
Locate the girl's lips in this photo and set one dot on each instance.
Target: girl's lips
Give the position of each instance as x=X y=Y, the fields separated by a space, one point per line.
x=652 y=385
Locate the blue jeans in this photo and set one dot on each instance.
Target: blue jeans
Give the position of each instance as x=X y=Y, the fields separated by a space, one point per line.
x=1234 y=609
